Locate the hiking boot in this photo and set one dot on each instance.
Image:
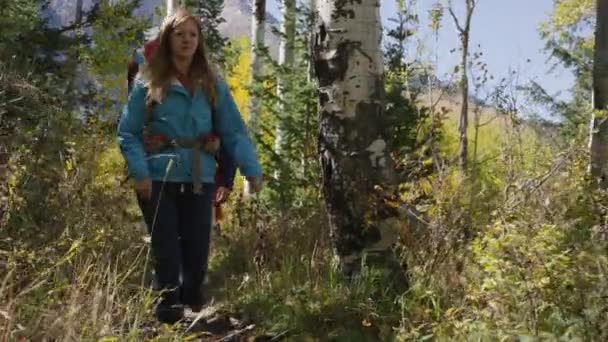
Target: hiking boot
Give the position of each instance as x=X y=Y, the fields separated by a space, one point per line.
x=169 y=314
x=169 y=310
x=193 y=299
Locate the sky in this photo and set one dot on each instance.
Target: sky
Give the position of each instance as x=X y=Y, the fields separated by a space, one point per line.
x=505 y=30
x=507 y=33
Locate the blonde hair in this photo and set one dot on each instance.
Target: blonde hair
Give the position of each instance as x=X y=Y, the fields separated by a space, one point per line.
x=160 y=70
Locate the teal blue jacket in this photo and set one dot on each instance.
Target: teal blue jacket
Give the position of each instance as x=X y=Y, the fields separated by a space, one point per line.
x=181 y=115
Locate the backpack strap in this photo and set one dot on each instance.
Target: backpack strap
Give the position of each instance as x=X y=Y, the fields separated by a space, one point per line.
x=147 y=116
x=214 y=119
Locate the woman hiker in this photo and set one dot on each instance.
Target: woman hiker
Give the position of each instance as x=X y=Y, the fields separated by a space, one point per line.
x=226 y=167
x=176 y=175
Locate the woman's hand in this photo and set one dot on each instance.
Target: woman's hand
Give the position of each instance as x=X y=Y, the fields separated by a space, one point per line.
x=144 y=189
x=255 y=184
x=221 y=194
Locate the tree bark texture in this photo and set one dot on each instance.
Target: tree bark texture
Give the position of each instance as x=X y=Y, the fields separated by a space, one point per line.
x=258 y=22
x=353 y=147
x=598 y=144
x=286 y=58
x=464 y=30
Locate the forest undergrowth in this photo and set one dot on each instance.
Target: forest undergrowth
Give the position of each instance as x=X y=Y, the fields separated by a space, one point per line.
x=513 y=248
x=517 y=249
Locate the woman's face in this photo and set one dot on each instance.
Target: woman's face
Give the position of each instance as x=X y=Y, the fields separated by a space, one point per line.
x=184 y=39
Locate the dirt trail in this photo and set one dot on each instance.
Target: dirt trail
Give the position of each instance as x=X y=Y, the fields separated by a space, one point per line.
x=214 y=324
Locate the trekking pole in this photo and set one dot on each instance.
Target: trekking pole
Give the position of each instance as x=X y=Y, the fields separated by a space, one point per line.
x=160 y=194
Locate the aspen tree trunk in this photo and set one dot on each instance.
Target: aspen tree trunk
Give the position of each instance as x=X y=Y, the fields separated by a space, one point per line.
x=78 y=15
x=171 y=6
x=310 y=77
x=257 y=42
x=258 y=22
x=598 y=144
x=464 y=30
x=286 y=57
x=353 y=144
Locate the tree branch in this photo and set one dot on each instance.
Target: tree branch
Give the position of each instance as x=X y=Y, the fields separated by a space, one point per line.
x=488 y=121
x=456 y=21
x=470 y=9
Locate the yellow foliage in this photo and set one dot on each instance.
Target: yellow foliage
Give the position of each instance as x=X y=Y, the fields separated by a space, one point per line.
x=571 y=12
x=238 y=81
x=489 y=137
x=425 y=187
x=497 y=134
x=239 y=77
x=108 y=170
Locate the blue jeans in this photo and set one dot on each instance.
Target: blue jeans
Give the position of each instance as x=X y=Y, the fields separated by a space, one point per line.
x=180 y=238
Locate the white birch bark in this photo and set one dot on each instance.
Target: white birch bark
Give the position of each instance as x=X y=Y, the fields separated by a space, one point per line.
x=353 y=143
x=257 y=42
x=258 y=22
x=171 y=6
